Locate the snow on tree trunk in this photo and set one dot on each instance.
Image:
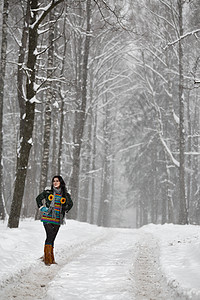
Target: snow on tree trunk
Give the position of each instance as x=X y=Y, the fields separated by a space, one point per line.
x=104 y=206
x=94 y=151
x=49 y=97
x=60 y=147
x=20 y=71
x=28 y=120
x=61 y=136
x=25 y=142
x=183 y=213
x=80 y=118
x=83 y=212
x=2 y=78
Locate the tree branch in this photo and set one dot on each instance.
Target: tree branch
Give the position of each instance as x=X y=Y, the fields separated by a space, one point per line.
x=181 y=38
x=112 y=11
x=45 y=13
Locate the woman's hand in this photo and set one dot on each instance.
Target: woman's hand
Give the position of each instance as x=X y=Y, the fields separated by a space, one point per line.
x=43 y=209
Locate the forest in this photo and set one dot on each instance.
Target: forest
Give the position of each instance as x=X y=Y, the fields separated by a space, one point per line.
x=104 y=93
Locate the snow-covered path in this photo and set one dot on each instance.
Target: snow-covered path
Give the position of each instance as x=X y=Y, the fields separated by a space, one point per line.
x=102 y=272
x=31 y=282
x=96 y=268
x=152 y=263
x=108 y=264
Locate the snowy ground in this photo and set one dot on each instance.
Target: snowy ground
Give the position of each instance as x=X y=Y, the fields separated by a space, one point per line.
x=155 y=262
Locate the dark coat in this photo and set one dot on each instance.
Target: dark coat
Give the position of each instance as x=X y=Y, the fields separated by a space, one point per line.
x=45 y=196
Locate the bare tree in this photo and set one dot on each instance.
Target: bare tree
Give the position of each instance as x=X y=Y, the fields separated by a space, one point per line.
x=48 y=103
x=80 y=115
x=2 y=78
x=28 y=119
x=183 y=211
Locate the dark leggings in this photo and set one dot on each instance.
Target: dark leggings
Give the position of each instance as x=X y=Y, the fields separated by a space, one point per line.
x=51 y=232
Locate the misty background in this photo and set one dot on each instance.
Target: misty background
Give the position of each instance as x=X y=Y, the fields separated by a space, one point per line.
x=106 y=94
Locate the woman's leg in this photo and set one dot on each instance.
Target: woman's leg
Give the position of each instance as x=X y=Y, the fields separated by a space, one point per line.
x=51 y=232
x=56 y=228
x=55 y=231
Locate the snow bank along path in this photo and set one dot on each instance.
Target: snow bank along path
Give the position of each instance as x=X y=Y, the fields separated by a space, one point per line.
x=179 y=247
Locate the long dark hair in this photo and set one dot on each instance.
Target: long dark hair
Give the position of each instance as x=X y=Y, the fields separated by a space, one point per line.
x=62 y=184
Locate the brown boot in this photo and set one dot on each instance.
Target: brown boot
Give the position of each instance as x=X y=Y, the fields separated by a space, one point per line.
x=48 y=260
x=52 y=255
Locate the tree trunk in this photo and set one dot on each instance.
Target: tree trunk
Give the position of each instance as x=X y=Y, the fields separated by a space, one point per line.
x=80 y=120
x=87 y=166
x=2 y=78
x=100 y=209
x=62 y=102
x=49 y=97
x=28 y=119
x=94 y=150
x=106 y=177
x=26 y=140
x=20 y=71
x=55 y=141
x=189 y=176
x=104 y=213
x=183 y=213
x=61 y=136
x=20 y=78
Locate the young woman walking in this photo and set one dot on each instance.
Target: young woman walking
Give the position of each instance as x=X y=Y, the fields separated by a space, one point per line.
x=53 y=203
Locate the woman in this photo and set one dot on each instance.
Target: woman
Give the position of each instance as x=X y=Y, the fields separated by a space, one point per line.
x=53 y=203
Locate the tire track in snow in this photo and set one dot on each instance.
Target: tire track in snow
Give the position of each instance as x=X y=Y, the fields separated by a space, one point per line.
x=150 y=282
x=32 y=283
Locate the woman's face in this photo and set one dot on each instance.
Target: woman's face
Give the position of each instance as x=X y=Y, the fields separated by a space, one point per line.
x=56 y=183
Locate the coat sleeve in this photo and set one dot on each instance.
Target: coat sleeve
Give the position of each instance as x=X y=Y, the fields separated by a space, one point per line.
x=69 y=202
x=39 y=199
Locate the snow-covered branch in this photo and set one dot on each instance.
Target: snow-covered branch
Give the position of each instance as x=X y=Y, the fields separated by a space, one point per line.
x=176 y=163
x=181 y=38
x=131 y=147
x=45 y=12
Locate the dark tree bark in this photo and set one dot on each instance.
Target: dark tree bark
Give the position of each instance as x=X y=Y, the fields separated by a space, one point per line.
x=28 y=122
x=20 y=70
x=28 y=119
x=2 y=78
